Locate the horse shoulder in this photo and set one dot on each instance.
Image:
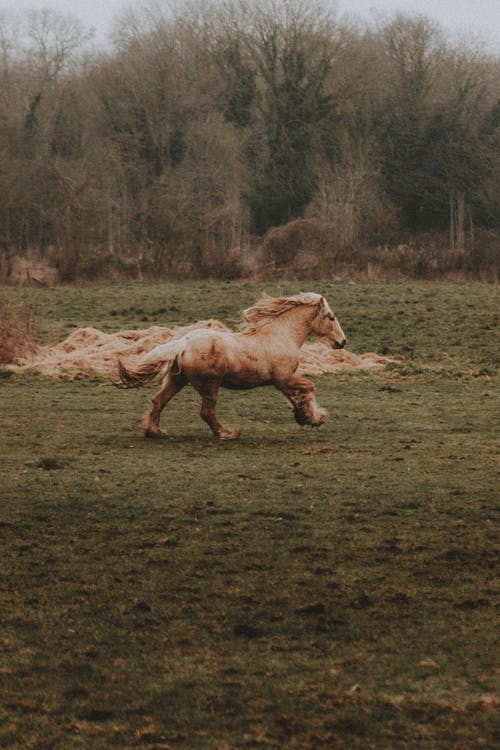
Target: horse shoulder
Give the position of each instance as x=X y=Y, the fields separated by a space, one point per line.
x=275 y=357
x=284 y=368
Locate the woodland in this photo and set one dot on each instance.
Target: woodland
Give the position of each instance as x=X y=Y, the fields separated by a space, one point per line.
x=238 y=138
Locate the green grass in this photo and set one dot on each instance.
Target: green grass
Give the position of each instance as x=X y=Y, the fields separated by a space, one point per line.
x=298 y=588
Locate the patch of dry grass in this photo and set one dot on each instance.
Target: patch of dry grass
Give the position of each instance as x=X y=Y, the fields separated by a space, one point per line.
x=18 y=326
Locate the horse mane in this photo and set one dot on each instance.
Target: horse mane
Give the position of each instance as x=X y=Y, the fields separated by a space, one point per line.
x=268 y=308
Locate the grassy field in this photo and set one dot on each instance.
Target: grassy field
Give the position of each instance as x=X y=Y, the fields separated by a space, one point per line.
x=298 y=588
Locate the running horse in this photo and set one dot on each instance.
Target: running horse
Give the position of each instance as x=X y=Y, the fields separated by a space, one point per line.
x=265 y=352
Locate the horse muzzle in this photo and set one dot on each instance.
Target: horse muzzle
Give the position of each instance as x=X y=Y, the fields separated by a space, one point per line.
x=339 y=344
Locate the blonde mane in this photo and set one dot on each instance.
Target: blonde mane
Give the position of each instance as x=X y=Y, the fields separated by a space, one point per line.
x=268 y=308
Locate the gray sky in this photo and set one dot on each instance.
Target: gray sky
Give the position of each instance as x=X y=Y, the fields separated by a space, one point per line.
x=477 y=20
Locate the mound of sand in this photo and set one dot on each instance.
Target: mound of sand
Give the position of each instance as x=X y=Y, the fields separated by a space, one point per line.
x=88 y=351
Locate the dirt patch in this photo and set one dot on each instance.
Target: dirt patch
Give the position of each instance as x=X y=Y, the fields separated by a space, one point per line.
x=88 y=351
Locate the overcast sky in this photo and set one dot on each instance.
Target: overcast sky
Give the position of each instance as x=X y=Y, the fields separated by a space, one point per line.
x=471 y=19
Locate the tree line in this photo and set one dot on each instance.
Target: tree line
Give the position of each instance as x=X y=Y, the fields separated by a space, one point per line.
x=203 y=128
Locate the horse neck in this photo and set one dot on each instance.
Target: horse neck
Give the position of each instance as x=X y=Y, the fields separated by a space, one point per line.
x=294 y=323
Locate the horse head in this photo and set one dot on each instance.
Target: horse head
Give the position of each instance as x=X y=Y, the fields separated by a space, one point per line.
x=326 y=326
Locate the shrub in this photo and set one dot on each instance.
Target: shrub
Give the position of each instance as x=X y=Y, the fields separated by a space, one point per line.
x=18 y=328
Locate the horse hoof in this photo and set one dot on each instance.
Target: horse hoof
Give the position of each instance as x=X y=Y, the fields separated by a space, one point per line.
x=155 y=434
x=300 y=416
x=320 y=418
x=229 y=434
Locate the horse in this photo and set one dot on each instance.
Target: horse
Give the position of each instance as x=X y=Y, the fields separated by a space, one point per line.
x=265 y=351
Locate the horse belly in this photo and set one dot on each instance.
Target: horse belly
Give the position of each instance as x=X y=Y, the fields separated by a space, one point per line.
x=243 y=381
x=245 y=371
x=225 y=358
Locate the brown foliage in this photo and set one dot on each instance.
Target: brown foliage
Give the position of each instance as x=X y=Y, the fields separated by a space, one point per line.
x=304 y=247
x=17 y=329
x=310 y=248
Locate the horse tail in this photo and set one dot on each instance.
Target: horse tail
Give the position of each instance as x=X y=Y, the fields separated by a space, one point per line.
x=161 y=360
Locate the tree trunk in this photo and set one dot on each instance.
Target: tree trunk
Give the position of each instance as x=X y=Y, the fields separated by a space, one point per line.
x=452 y=221
x=460 y=221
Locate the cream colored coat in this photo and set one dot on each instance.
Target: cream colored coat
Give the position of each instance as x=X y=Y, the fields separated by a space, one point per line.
x=266 y=352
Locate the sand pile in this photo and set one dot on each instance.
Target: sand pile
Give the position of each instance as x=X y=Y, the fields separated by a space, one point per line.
x=88 y=351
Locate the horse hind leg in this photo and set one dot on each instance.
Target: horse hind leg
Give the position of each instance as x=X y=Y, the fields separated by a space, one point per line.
x=171 y=385
x=208 y=395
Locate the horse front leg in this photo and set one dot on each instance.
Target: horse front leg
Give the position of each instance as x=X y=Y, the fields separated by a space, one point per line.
x=171 y=385
x=208 y=395
x=300 y=393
